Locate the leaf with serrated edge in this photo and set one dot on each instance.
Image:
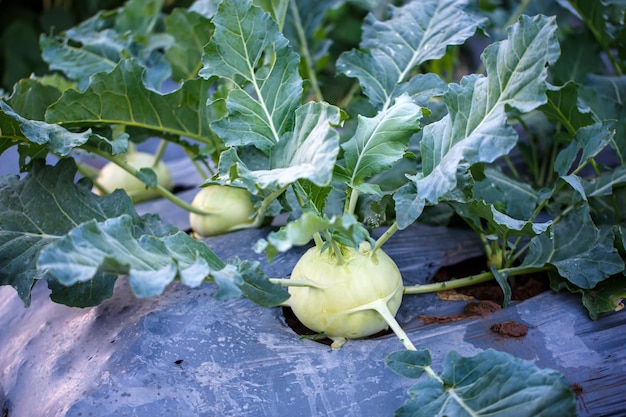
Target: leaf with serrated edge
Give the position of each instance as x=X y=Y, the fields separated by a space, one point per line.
x=380 y=141
x=493 y=384
x=120 y=97
x=577 y=249
x=247 y=46
x=409 y=363
x=475 y=129
x=416 y=32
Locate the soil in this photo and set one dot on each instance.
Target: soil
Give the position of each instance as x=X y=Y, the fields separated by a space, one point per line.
x=510 y=329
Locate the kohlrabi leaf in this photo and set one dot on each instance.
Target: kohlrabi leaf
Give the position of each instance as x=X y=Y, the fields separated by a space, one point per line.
x=390 y=50
x=85 y=293
x=586 y=144
x=31 y=98
x=310 y=153
x=192 y=31
x=345 y=229
x=513 y=197
x=476 y=129
x=248 y=49
x=125 y=245
x=120 y=97
x=40 y=209
x=99 y=43
x=605 y=96
x=564 y=107
x=581 y=253
x=380 y=141
x=493 y=384
x=409 y=363
x=608 y=296
x=483 y=214
x=56 y=138
x=256 y=286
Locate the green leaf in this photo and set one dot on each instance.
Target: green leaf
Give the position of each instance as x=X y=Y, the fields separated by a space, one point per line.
x=579 y=251
x=588 y=142
x=256 y=286
x=248 y=49
x=605 y=96
x=608 y=296
x=56 y=138
x=565 y=107
x=493 y=384
x=31 y=98
x=512 y=197
x=415 y=33
x=475 y=129
x=120 y=97
x=83 y=294
x=39 y=210
x=310 y=153
x=380 y=141
x=125 y=246
x=138 y=17
x=192 y=31
x=99 y=43
x=409 y=363
x=498 y=222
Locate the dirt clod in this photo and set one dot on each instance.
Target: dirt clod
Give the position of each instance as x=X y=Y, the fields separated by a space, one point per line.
x=510 y=329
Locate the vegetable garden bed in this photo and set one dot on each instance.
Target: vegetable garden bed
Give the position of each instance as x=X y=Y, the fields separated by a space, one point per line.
x=350 y=191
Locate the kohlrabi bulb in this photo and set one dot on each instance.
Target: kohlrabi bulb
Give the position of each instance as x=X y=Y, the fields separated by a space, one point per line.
x=230 y=208
x=338 y=305
x=111 y=177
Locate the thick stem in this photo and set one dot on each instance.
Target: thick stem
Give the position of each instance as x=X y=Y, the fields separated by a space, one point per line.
x=471 y=280
x=291 y=282
x=352 y=200
x=385 y=237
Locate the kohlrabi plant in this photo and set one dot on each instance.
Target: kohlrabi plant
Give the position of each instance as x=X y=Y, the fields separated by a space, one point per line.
x=406 y=124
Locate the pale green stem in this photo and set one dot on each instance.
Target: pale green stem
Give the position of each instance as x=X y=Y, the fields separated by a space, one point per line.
x=260 y=216
x=319 y=243
x=471 y=280
x=352 y=200
x=385 y=237
x=336 y=248
x=290 y=282
x=160 y=152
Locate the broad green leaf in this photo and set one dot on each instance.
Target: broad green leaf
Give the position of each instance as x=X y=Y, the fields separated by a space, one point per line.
x=564 y=107
x=503 y=225
x=409 y=363
x=579 y=251
x=248 y=49
x=493 y=384
x=56 y=138
x=604 y=184
x=256 y=286
x=138 y=17
x=512 y=197
x=309 y=153
x=390 y=50
x=124 y=246
x=605 y=96
x=120 y=97
x=192 y=31
x=476 y=129
x=380 y=141
x=608 y=296
x=31 y=98
x=39 y=210
x=83 y=294
x=579 y=57
x=99 y=43
x=588 y=142
x=593 y=15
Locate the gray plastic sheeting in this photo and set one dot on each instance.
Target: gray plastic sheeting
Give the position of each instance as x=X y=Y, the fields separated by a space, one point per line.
x=186 y=354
